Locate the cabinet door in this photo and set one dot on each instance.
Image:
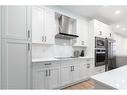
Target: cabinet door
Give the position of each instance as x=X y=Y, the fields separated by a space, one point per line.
x=54 y=78
x=14 y=22
x=98 y=28
x=110 y=33
x=37 y=25
x=90 y=67
x=49 y=26
x=84 y=72
x=39 y=78
x=76 y=73
x=82 y=31
x=66 y=76
x=16 y=63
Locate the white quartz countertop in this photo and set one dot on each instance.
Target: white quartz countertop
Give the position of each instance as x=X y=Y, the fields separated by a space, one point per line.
x=56 y=59
x=116 y=78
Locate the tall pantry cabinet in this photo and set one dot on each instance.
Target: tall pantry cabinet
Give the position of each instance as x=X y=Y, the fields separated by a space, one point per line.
x=16 y=47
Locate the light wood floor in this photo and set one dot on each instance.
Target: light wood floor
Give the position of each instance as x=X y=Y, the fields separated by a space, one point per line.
x=89 y=84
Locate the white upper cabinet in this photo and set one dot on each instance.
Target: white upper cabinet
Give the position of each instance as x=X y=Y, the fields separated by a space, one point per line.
x=100 y=29
x=82 y=32
x=37 y=25
x=110 y=33
x=49 y=26
x=43 y=25
x=14 y=22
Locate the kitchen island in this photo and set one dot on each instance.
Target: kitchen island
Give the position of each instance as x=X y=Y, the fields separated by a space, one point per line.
x=116 y=79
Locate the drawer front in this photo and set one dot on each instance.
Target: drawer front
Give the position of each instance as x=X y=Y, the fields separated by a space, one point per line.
x=99 y=69
x=68 y=62
x=42 y=65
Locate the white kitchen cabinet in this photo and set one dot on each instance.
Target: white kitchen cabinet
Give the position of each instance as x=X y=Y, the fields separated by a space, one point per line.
x=76 y=73
x=15 y=70
x=43 y=25
x=100 y=29
x=49 y=26
x=82 y=32
x=65 y=75
x=110 y=33
x=39 y=79
x=87 y=68
x=70 y=74
x=16 y=47
x=46 y=78
x=54 y=78
x=99 y=69
x=37 y=25
x=14 y=22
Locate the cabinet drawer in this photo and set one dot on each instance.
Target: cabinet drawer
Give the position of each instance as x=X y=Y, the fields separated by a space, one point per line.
x=68 y=62
x=99 y=69
x=40 y=65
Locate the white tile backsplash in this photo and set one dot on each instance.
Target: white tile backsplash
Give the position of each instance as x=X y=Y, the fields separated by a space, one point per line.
x=51 y=51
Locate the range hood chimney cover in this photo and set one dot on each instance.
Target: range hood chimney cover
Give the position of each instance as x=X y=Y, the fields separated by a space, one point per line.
x=64 y=22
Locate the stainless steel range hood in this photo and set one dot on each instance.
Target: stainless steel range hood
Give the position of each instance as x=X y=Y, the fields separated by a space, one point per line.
x=64 y=24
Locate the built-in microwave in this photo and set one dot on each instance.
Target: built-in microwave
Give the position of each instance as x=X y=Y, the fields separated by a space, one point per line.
x=99 y=42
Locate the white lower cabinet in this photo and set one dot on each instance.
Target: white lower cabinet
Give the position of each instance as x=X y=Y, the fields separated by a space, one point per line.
x=65 y=75
x=54 y=78
x=87 y=68
x=76 y=73
x=69 y=74
x=99 y=69
x=39 y=78
x=47 y=78
x=54 y=75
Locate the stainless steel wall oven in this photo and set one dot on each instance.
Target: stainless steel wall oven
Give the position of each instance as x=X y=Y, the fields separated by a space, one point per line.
x=100 y=57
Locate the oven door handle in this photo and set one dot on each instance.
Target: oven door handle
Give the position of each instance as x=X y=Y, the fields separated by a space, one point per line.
x=100 y=52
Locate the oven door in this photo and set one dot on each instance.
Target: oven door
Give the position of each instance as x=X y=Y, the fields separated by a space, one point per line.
x=100 y=59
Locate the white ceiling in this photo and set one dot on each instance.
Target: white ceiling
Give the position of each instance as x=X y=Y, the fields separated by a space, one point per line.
x=105 y=14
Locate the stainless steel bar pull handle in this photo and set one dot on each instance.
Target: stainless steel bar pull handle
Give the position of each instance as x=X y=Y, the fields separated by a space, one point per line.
x=42 y=38
x=46 y=73
x=73 y=68
x=45 y=38
x=28 y=46
x=48 y=64
x=49 y=72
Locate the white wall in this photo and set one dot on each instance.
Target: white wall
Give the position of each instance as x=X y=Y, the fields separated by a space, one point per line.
x=121 y=50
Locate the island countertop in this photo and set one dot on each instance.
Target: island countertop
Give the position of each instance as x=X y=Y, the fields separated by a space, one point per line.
x=116 y=78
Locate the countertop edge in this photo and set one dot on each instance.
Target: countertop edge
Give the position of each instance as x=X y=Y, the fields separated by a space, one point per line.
x=54 y=59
